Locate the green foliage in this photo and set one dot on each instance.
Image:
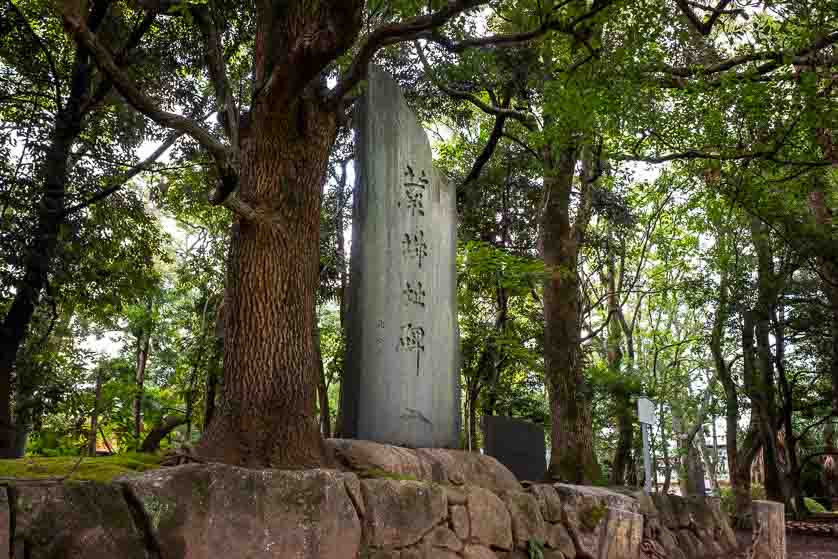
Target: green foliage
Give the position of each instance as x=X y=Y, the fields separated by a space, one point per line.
x=813 y=506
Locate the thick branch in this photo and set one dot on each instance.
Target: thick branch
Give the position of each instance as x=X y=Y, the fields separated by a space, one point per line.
x=141 y=102
x=218 y=71
x=488 y=149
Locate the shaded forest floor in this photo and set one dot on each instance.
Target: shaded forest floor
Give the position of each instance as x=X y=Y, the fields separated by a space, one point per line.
x=800 y=546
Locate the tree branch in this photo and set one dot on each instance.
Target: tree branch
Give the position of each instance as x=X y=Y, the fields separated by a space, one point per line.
x=218 y=71
x=524 y=118
x=390 y=34
x=146 y=105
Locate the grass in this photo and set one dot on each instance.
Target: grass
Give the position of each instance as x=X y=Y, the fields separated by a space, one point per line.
x=100 y=468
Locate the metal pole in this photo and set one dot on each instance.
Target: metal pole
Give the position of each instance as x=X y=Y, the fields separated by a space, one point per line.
x=647 y=459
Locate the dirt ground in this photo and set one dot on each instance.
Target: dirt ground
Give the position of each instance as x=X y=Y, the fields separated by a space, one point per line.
x=799 y=546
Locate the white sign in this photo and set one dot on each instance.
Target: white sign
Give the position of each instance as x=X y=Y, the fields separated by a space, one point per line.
x=646 y=411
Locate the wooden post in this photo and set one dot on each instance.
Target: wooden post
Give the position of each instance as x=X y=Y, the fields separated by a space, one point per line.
x=769 y=524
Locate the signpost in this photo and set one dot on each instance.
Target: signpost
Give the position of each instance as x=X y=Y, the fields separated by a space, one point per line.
x=646 y=414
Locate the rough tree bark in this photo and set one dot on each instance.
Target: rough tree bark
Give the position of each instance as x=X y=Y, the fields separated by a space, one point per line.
x=763 y=388
x=571 y=455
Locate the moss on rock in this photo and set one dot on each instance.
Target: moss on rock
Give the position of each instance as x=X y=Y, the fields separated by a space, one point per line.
x=102 y=469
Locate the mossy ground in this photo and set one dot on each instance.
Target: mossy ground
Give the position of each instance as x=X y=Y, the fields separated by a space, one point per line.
x=100 y=468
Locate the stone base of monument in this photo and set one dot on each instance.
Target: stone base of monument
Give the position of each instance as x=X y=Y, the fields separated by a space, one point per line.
x=399 y=504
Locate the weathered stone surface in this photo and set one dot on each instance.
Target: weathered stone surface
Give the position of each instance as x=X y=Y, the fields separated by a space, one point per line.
x=692 y=547
x=353 y=488
x=517 y=444
x=442 y=537
x=439 y=465
x=585 y=522
x=623 y=534
x=424 y=550
x=458 y=519
x=399 y=513
x=579 y=494
x=668 y=541
x=646 y=505
x=470 y=468
x=203 y=511
x=478 y=552
x=724 y=533
x=665 y=510
x=559 y=538
x=401 y=384
x=585 y=511
x=489 y=519
x=69 y=520
x=455 y=496
x=553 y=554
x=527 y=522
x=683 y=513
x=548 y=500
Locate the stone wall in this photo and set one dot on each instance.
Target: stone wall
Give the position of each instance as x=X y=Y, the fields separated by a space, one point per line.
x=202 y=511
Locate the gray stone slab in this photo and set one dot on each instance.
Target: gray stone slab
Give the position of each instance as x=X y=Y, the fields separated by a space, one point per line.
x=519 y=445
x=401 y=382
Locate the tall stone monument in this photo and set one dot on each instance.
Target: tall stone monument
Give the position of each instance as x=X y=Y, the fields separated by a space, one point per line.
x=401 y=382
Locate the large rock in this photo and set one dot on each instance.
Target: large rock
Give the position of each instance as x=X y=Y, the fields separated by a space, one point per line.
x=548 y=500
x=458 y=519
x=478 y=552
x=489 y=519
x=690 y=544
x=589 y=494
x=665 y=510
x=558 y=538
x=207 y=511
x=623 y=534
x=585 y=512
x=401 y=384
x=74 y=520
x=439 y=465
x=400 y=513
x=527 y=522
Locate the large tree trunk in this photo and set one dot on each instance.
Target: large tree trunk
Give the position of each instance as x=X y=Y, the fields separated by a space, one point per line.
x=571 y=455
x=267 y=414
x=763 y=393
x=824 y=218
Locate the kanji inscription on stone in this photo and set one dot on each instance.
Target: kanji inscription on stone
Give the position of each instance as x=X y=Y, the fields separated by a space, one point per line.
x=414 y=293
x=414 y=191
x=415 y=247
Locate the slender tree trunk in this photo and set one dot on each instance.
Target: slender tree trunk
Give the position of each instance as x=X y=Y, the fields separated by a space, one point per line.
x=94 y=416
x=267 y=415
x=143 y=347
x=209 y=396
x=322 y=387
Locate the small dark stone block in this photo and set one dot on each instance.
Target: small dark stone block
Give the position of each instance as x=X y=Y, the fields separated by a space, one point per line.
x=519 y=445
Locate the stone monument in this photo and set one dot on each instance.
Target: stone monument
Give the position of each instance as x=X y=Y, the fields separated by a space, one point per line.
x=401 y=381
x=517 y=444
